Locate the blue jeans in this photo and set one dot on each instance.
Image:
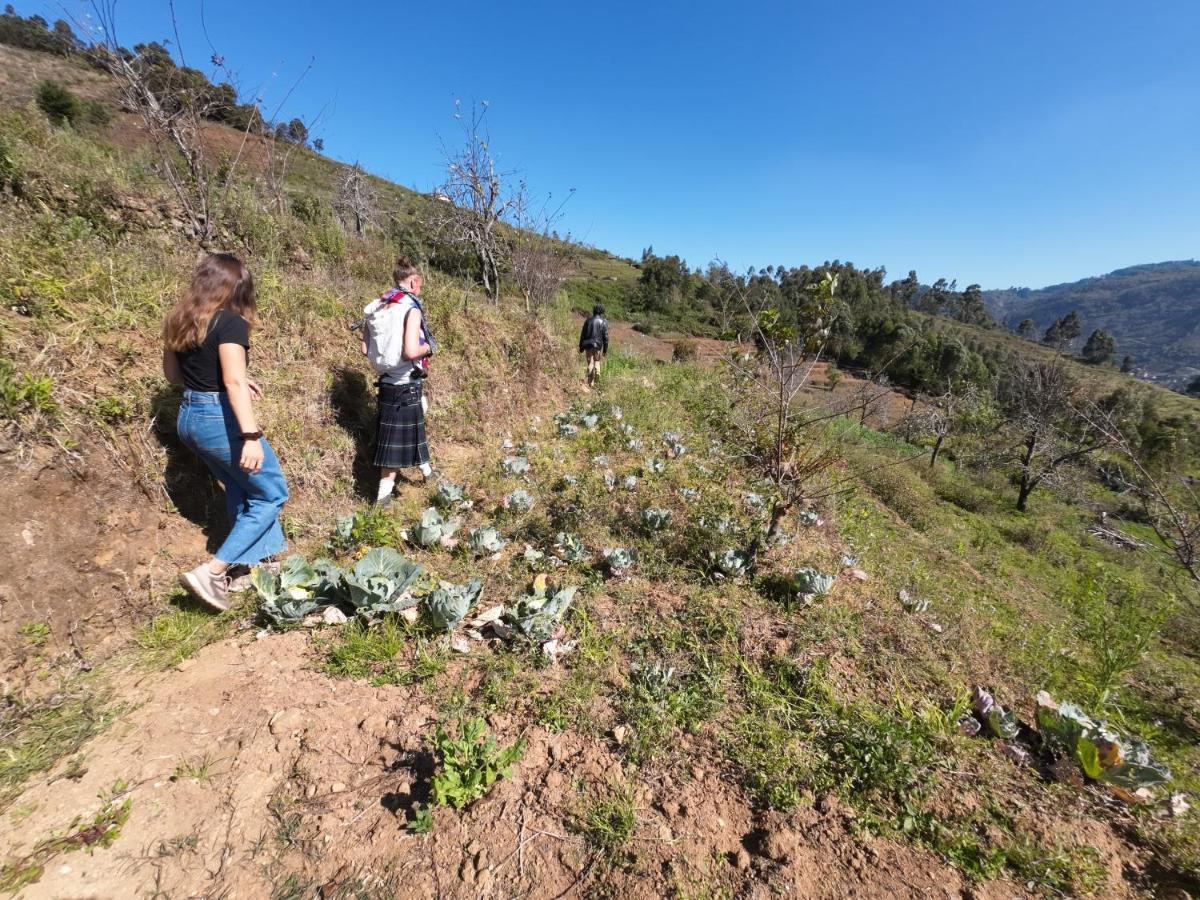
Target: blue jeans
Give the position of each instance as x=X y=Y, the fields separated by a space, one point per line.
x=208 y=427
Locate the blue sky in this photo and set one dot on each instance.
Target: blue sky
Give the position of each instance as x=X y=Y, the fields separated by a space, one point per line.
x=1005 y=143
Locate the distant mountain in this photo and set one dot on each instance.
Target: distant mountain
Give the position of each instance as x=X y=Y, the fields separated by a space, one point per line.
x=1152 y=310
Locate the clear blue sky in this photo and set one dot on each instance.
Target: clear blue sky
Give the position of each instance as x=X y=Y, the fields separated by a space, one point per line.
x=1012 y=142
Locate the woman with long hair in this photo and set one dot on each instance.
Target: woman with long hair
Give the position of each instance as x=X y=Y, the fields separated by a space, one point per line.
x=206 y=338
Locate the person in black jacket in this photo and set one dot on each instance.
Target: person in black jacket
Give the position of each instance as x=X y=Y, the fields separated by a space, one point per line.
x=593 y=341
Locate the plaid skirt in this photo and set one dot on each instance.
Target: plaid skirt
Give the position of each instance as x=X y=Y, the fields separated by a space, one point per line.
x=400 y=428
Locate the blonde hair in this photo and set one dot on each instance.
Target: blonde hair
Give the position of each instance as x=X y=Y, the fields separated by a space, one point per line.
x=221 y=281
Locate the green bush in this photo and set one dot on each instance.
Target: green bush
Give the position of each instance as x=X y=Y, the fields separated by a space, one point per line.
x=58 y=103
x=685 y=350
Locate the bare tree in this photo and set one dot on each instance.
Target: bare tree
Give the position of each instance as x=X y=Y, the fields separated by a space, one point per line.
x=279 y=150
x=356 y=203
x=476 y=202
x=868 y=397
x=540 y=263
x=779 y=439
x=937 y=418
x=172 y=114
x=1168 y=497
x=1042 y=404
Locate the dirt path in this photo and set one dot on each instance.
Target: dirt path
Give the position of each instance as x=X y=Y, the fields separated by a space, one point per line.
x=245 y=766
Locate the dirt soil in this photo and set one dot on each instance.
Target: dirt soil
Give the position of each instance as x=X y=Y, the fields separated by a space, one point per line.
x=336 y=766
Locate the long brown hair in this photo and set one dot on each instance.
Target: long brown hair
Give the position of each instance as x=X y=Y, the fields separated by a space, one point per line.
x=219 y=282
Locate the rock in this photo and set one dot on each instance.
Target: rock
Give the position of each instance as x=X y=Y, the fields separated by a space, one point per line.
x=287 y=721
x=492 y=614
x=337 y=788
x=742 y=859
x=410 y=615
x=333 y=616
x=620 y=733
x=460 y=644
x=310 y=791
x=474 y=848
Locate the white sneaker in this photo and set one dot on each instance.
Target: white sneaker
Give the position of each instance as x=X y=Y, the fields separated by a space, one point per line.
x=206 y=587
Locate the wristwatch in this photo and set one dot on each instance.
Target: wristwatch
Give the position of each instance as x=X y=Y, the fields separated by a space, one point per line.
x=251 y=435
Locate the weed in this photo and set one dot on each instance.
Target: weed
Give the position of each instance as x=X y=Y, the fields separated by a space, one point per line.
x=1117 y=625
x=607 y=820
x=172 y=637
x=422 y=820
x=21 y=394
x=35 y=633
x=1073 y=871
x=470 y=763
x=371 y=651
x=200 y=768
x=34 y=736
x=103 y=828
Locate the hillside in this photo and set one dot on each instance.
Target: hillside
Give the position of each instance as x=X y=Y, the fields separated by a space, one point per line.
x=1152 y=310
x=647 y=691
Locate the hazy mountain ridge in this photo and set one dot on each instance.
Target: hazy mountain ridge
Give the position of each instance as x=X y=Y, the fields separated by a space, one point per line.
x=1153 y=311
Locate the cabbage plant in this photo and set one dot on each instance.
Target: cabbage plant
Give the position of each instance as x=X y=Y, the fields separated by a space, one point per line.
x=619 y=560
x=535 y=615
x=485 y=540
x=589 y=421
x=380 y=581
x=519 y=500
x=811 y=582
x=566 y=429
x=730 y=563
x=433 y=528
x=808 y=518
x=448 y=495
x=629 y=482
x=690 y=494
x=515 y=465
x=655 y=518
x=656 y=465
x=570 y=548
x=912 y=604
x=1102 y=752
x=298 y=589
x=448 y=605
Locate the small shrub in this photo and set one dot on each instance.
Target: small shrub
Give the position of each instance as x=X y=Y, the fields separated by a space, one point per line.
x=833 y=375
x=58 y=103
x=1117 y=625
x=685 y=351
x=26 y=393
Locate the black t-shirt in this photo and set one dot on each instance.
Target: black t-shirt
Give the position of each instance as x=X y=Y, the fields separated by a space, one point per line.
x=202 y=365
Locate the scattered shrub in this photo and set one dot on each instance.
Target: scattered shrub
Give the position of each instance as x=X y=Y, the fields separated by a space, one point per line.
x=685 y=350
x=59 y=104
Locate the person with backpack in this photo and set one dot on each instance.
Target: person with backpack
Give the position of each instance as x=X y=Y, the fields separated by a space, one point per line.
x=593 y=341
x=206 y=338
x=397 y=341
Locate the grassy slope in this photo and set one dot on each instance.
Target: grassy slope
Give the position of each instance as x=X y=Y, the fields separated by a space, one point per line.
x=849 y=696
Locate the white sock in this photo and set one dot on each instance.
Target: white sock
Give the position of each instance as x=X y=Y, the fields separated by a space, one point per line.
x=426 y=470
x=386 y=485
